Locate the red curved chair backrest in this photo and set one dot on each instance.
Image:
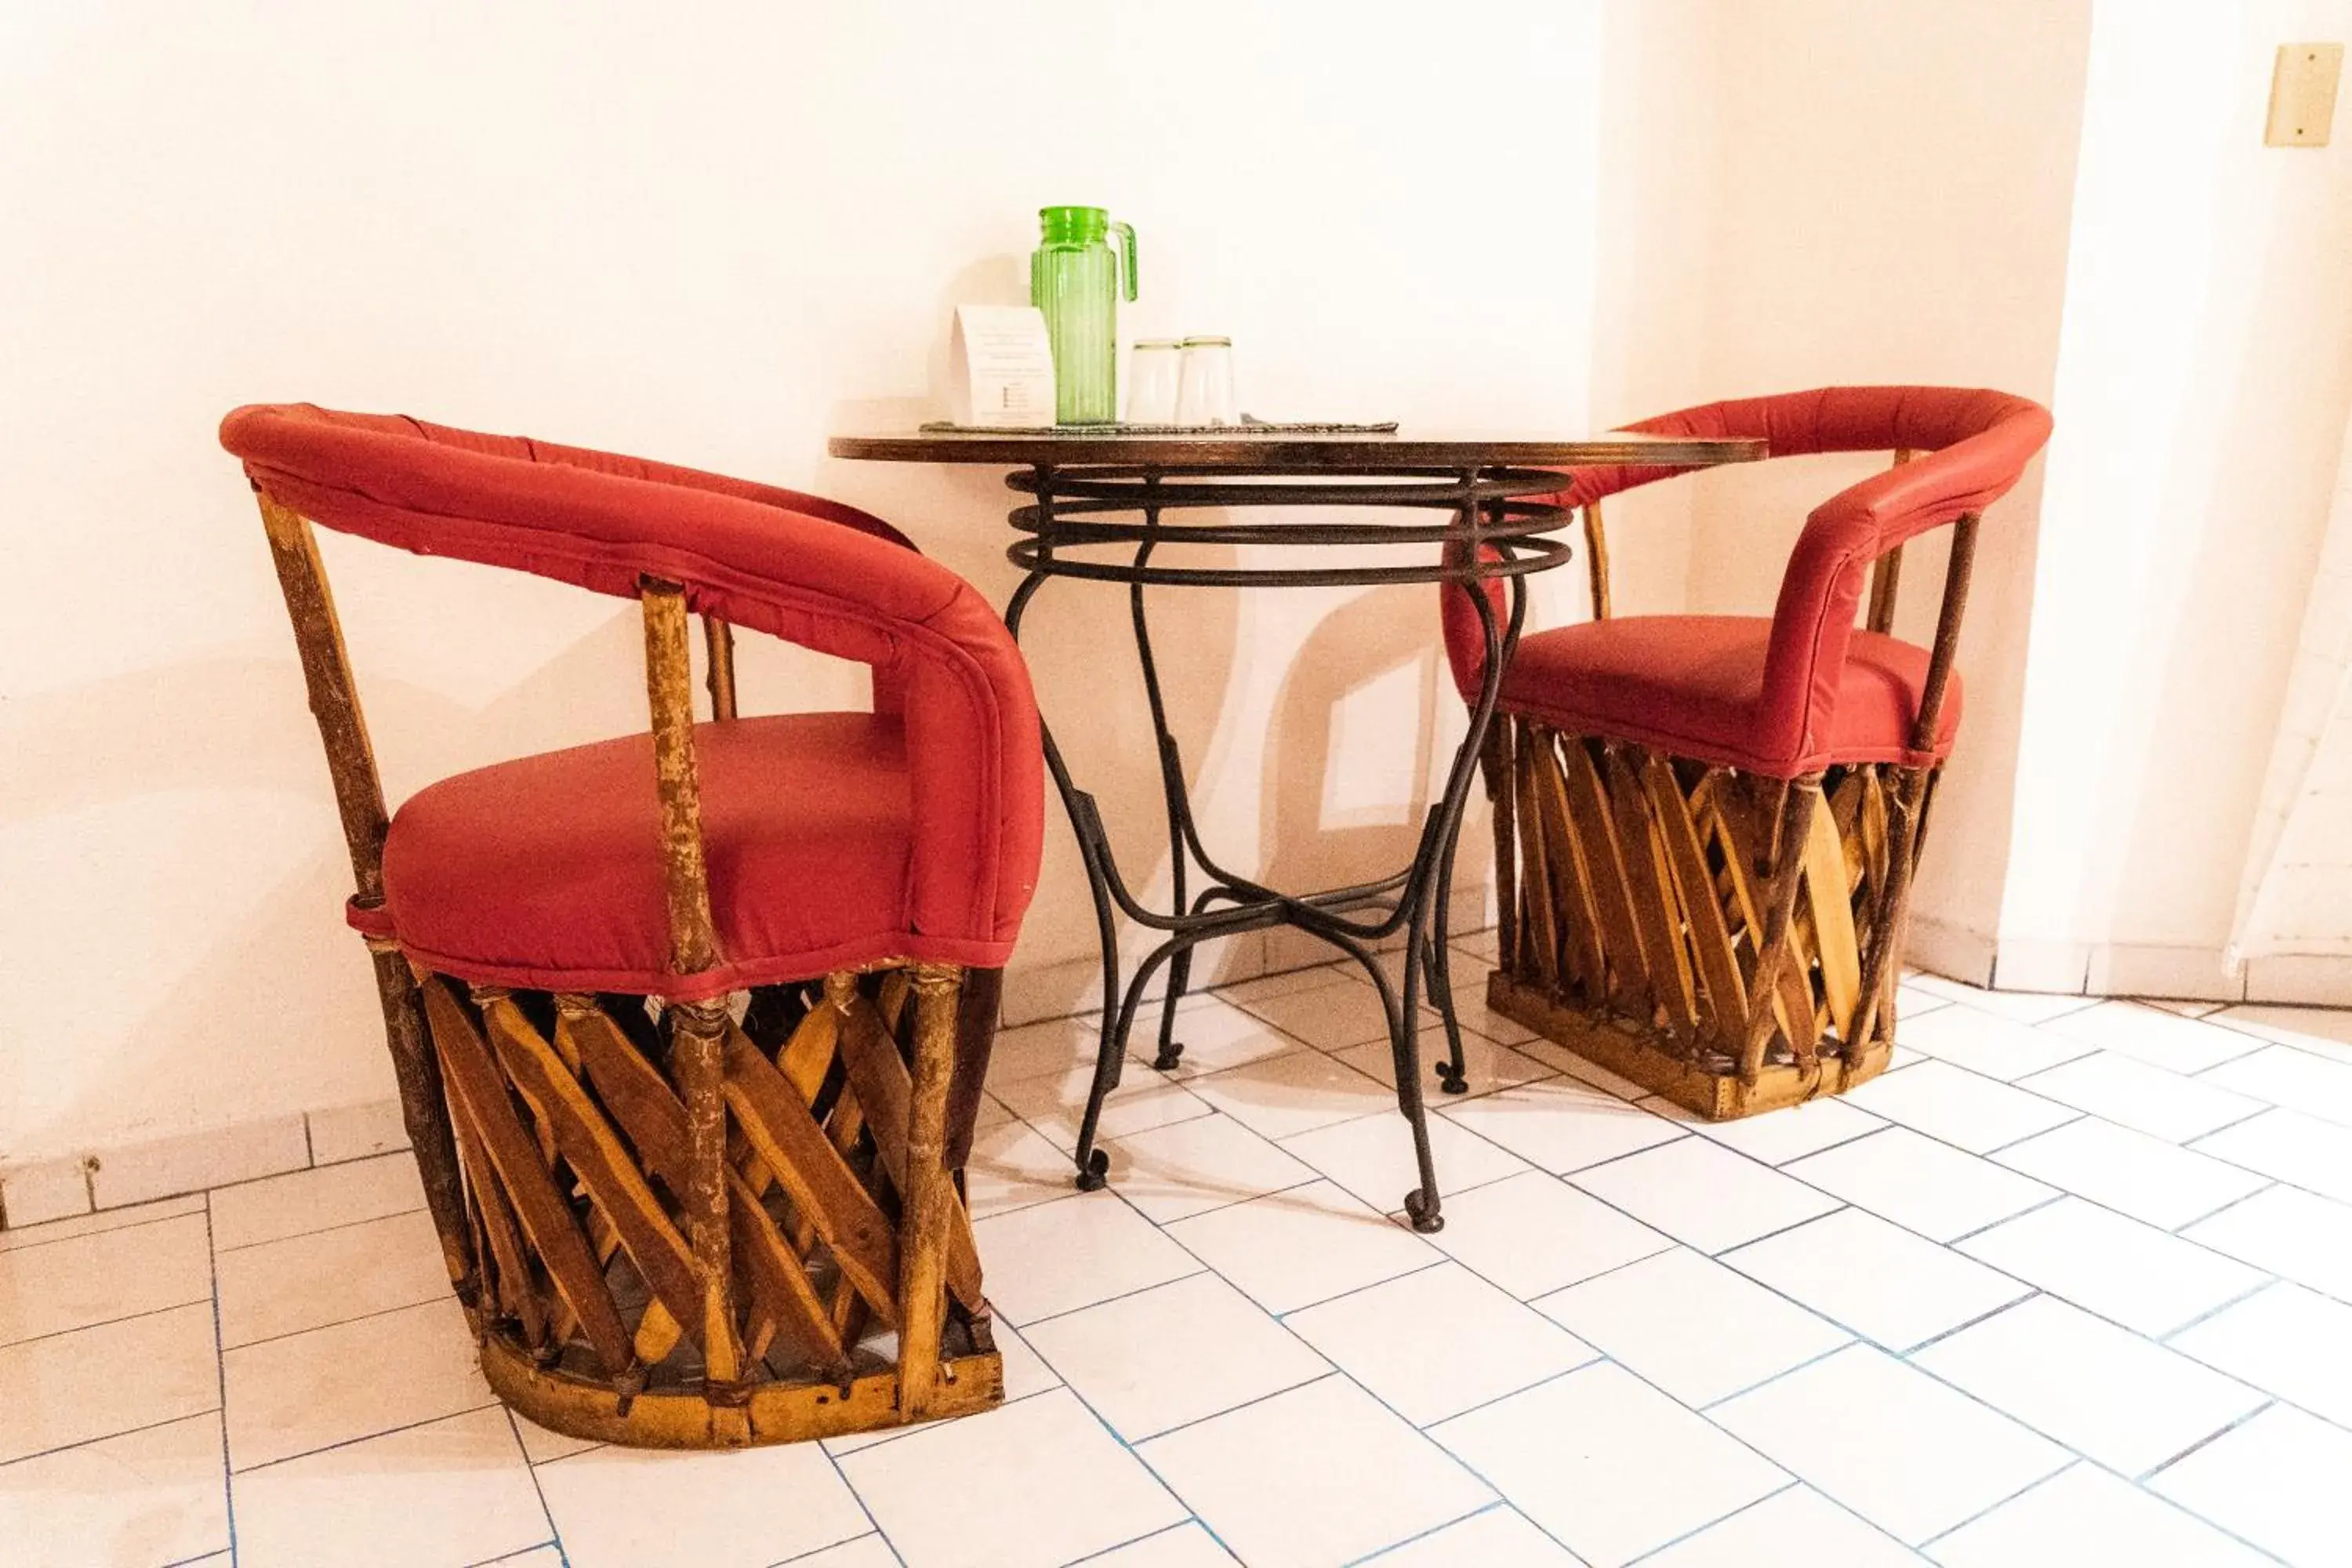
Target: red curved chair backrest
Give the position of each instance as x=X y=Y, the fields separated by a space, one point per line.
x=1974 y=445
x=814 y=572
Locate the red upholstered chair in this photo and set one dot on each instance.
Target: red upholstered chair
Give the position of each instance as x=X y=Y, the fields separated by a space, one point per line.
x=673 y=1220
x=1706 y=825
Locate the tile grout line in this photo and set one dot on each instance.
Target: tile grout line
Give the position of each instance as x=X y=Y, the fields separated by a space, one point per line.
x=554 y=1530
x=1023 y=1329
x=2269 y=1183
x=2269 y=1403
x=1501 y=1504
x=371 y=1436
x=337 y=1323
x=220 y=1375
x=2032 y=1293
x=2261 y=1109
x=2080 y=1115
x=321 y=1230
x=1796 y=1483
x=519 y=1551
x=35 y=1246
x=2057 y=1195
x=2209 y=1313
x=1999 y=1503
x=1189 y=1517
x=110 y=1437
x=116 y=1323
x=1814 y=1360
x=858 y=1498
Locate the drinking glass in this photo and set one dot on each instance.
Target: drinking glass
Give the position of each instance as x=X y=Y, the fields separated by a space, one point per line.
x=1204 y=393
x=1153 y=368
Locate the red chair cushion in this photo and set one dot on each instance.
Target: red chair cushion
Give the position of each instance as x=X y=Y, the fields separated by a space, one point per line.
x=1693 y=686
x=546 y=872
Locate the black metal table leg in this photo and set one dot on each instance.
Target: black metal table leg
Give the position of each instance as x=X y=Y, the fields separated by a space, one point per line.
x=1504 y=537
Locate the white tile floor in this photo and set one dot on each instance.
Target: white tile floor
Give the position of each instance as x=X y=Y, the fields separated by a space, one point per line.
x=2073 y=1284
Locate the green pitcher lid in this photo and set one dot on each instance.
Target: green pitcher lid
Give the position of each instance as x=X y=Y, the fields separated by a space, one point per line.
x=1074 y=223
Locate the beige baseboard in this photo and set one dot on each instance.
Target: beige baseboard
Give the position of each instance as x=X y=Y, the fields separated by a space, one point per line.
x=2159 y=970
x=1949 y=951
x=67 y=1186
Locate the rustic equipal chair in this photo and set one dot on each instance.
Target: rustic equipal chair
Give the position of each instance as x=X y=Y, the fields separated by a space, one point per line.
x=672 y=1221
x=1706 y=825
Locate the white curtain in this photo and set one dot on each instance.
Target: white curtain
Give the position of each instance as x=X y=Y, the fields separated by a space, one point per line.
x=2296 y=895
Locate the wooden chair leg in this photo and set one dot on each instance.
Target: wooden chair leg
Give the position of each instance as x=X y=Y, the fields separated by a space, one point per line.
x=430 y=1139
x=1907 y=813
x=697 y=1048
x=1495 y=772
x=928 y=1198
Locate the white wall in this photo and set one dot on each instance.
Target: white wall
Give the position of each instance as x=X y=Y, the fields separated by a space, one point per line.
x=2204 y=377
x=1893 y=186
x=709 y=238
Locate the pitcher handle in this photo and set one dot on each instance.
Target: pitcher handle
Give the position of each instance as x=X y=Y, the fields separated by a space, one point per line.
x=1127 y=256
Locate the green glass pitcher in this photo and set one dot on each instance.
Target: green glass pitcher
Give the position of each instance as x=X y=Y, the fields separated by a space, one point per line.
x=1074 y=277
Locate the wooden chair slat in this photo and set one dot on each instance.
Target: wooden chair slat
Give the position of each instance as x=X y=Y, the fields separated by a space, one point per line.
x=885 y=1090
x=1710 y=942
x=1834 y=944
x=1570 y=881
x=510 y=1283
x=808 y=1055
x=1651 y=884
x=661 y=1255
x=1793 y=998
x=1604 y=859
x=636 y=1095
x=812 y=1170
x=1538 y=938
x=473 y=1082
x=788 y=1301
x=650 y=1115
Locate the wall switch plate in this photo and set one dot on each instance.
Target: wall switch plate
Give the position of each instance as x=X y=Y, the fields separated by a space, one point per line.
x=2303 y=94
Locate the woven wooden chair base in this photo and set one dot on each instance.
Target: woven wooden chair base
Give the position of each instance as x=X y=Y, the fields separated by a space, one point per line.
x=604 y=1304
x=1728 y=941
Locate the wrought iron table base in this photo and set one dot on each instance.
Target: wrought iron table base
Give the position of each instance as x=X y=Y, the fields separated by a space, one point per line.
x=1495 y=531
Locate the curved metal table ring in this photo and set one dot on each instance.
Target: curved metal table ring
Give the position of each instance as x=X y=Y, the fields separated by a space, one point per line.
x=1491 y=516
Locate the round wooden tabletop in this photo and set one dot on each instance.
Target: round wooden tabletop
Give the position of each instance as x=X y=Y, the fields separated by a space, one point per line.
x=1242 y=449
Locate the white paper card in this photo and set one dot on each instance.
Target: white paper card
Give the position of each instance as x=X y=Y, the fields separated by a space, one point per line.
x=1002 y=366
